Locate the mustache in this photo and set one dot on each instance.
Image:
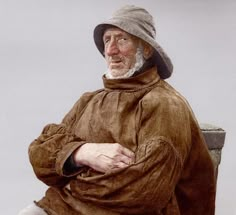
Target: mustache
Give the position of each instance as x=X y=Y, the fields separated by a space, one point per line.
x=114 y=59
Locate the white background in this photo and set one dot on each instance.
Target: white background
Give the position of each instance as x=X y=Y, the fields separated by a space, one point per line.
x=48 y=59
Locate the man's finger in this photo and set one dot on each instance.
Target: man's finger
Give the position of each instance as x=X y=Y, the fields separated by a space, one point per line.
x=119 y=165
x=125 y=159
x=127 y=152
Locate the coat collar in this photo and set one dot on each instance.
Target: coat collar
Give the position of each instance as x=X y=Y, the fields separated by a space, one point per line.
x=142 y=80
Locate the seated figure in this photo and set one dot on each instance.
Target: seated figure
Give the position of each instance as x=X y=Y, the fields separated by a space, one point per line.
x=133 y=147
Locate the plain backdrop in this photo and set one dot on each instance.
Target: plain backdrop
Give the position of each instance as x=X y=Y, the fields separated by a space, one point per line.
x=48 y=59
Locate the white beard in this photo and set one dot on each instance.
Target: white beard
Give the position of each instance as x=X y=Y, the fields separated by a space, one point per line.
x=139 y=61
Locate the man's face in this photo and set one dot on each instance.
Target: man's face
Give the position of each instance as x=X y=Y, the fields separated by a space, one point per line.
x=119 y=49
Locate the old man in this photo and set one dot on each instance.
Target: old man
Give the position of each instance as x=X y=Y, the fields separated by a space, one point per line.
x=133 y=147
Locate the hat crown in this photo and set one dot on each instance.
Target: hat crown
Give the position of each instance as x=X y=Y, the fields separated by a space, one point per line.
x=137 y=15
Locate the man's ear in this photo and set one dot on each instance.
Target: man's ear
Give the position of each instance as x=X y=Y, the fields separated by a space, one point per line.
x=147 y=50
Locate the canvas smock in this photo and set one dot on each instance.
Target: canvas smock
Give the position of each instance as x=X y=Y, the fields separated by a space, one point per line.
x=172 y=173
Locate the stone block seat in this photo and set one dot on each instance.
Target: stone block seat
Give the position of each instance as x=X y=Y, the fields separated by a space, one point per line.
x=215 y=138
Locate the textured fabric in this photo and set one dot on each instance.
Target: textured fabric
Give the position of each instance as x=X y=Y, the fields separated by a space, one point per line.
x=172 y=174
x=138 y=22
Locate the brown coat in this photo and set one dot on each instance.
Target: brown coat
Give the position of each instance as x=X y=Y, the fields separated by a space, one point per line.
x=172 y=174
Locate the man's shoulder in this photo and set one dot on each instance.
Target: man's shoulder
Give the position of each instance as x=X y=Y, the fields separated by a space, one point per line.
x=165 y=96
x=86 y=97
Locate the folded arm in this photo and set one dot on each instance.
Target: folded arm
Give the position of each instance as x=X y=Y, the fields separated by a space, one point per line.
x=50 y=151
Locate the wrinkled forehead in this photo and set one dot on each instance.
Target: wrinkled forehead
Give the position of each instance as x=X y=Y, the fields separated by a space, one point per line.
x=115 y=31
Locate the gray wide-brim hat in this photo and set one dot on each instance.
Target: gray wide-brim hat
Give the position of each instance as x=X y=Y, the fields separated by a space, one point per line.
x=138 y=22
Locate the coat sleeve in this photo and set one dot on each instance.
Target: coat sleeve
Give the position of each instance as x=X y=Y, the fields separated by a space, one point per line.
x=49 y=152
x=163 y=145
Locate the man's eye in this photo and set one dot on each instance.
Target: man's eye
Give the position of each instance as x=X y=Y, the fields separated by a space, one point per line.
x=106 y=41
x=123 y=39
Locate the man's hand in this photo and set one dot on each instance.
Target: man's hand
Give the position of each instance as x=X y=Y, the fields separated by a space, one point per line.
x=103 y=157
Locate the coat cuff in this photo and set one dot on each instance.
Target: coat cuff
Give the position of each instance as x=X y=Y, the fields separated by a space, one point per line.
x=63 y=155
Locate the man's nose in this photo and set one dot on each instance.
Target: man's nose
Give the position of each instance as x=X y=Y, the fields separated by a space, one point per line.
x=112 y=48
